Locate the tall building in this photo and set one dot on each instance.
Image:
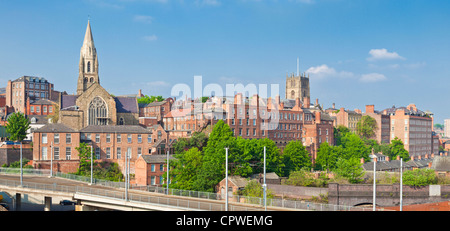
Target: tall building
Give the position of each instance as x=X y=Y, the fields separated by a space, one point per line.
x=447 y=128
x=348 y=119
x=414 y=128
x=27 y=88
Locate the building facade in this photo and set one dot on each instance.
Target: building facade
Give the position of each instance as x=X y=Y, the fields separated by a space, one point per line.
x=382 y=133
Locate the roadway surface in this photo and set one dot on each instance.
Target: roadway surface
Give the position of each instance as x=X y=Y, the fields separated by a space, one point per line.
x=144 y=196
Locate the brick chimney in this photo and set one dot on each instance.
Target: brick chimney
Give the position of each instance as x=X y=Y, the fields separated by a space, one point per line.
x=429 y=164
x=398 y=157
x=307 y=102
x=334 y=106
x=387 y=158
x=420 y=157
x=412 y=158
x=317 y=115
x=370 y=108
x=358 y=111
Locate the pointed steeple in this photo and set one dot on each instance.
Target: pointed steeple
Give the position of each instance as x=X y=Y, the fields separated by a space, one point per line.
x=88 y=39
x=88 y=66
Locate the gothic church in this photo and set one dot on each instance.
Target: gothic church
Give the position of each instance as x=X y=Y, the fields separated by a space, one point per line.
x=93 y=105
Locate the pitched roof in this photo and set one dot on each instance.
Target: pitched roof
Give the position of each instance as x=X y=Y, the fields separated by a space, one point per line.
x=55 y=127
x=116 y=128
x=68 y=101
x=126 y=104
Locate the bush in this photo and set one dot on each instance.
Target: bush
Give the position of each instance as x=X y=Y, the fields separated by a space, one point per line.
x=305 y=178
x=419 y=177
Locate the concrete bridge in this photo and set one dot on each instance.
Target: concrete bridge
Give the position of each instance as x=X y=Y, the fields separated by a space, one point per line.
x=94 y=197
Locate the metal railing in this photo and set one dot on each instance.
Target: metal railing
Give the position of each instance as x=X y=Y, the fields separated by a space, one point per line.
x=235 y=199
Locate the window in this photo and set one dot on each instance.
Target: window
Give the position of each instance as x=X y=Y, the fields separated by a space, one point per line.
x=121 y=121
x=161 y=167
x=97 y=114
x=153 y=168
x=97 y=153
x=56 y=138
x=97 y=138
x=68 y=138
x=119 y=153
x=139 y=138
x=108 y=153
x=68 y=153
x=44 y=138
x=149 y=138
x=56 y=153
x=50 y=109
x=152 y=180
x=119 y=138
x=45 y=109
x=32 y=109
x=129 y=153
x=108 y=138
x=44 y=153
x=139 y=151
x=129 y=138
x=89 y=67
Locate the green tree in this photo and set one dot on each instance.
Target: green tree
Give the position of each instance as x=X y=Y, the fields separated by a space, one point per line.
x=398 y=149
x=419 y=177
x=213 y=167
x=185 y=168
x=306 y=178
x=198 y=139
x=366 y=127
x=149 y=99
x=354 y=147
x=327 y=156
x=84 y=153
x=17 y=127
x=295 y=157
x=255 y=189
x=338 y=133
x=351 y=169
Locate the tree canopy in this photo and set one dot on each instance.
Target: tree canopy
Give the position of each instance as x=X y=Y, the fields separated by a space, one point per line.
x=366 y=127
x=17 y=127
x=150 y=99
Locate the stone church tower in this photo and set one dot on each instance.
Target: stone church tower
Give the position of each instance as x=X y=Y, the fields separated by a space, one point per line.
x=88 y=66
x=297 y=86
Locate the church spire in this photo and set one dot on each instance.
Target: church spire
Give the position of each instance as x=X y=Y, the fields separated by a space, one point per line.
x=88 y=66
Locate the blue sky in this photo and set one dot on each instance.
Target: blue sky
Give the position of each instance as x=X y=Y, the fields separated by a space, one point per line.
x=380 y=52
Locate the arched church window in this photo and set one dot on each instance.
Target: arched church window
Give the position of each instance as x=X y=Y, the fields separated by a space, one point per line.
x=85 y=80
x=91 y=80
x=121 y=121
x=98 y=112
x=89 y=67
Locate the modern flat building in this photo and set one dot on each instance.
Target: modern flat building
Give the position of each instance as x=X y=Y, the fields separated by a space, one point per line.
x=414 y=128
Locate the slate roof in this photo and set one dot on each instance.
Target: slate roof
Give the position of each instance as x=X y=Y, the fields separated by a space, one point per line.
x=393 y=165
x=126 y=104
x=43 y=102
x=55 y=127
x=68 y=101
x=116 y=128
x=238 y=181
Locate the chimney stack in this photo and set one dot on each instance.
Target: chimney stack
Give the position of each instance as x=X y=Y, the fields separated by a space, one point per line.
x=370 y=108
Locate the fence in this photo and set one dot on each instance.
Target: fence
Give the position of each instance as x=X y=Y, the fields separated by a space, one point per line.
x=236 y=199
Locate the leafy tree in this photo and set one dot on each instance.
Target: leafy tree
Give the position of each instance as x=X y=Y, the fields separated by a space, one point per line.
x=149 y=99
x=354 y=147
x=419 y=177
x=339 y=132
x=213 y=167
x=398 y=149
x=185 y=168
x=304 y=177
x=84 y=153
x=351 y=169
x=327 y=156
x=198 y=139
x=17 y=127
x=366 y=127
x=295 y=157
x=16 y=164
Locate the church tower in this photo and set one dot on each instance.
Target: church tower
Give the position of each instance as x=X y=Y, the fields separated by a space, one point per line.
x=88 y=66
x=297 y=86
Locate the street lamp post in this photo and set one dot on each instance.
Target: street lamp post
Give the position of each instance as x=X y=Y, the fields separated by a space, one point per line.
x=401 y=184
x=21 y=165
x=374 y=183
x=92 y=165
x=167 y=186
x=51 y=159
x=226 y=179
x=264 y=185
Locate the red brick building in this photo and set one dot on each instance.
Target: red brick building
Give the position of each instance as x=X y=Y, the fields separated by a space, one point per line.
x=150 y=169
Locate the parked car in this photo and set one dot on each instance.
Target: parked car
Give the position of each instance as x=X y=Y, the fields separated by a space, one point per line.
x=67 y=202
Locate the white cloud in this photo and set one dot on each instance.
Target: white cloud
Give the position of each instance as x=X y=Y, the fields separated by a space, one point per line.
x=372 y=77
x=382 y=54
x=150 y=38
x=323 y=71
x=143 y=19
